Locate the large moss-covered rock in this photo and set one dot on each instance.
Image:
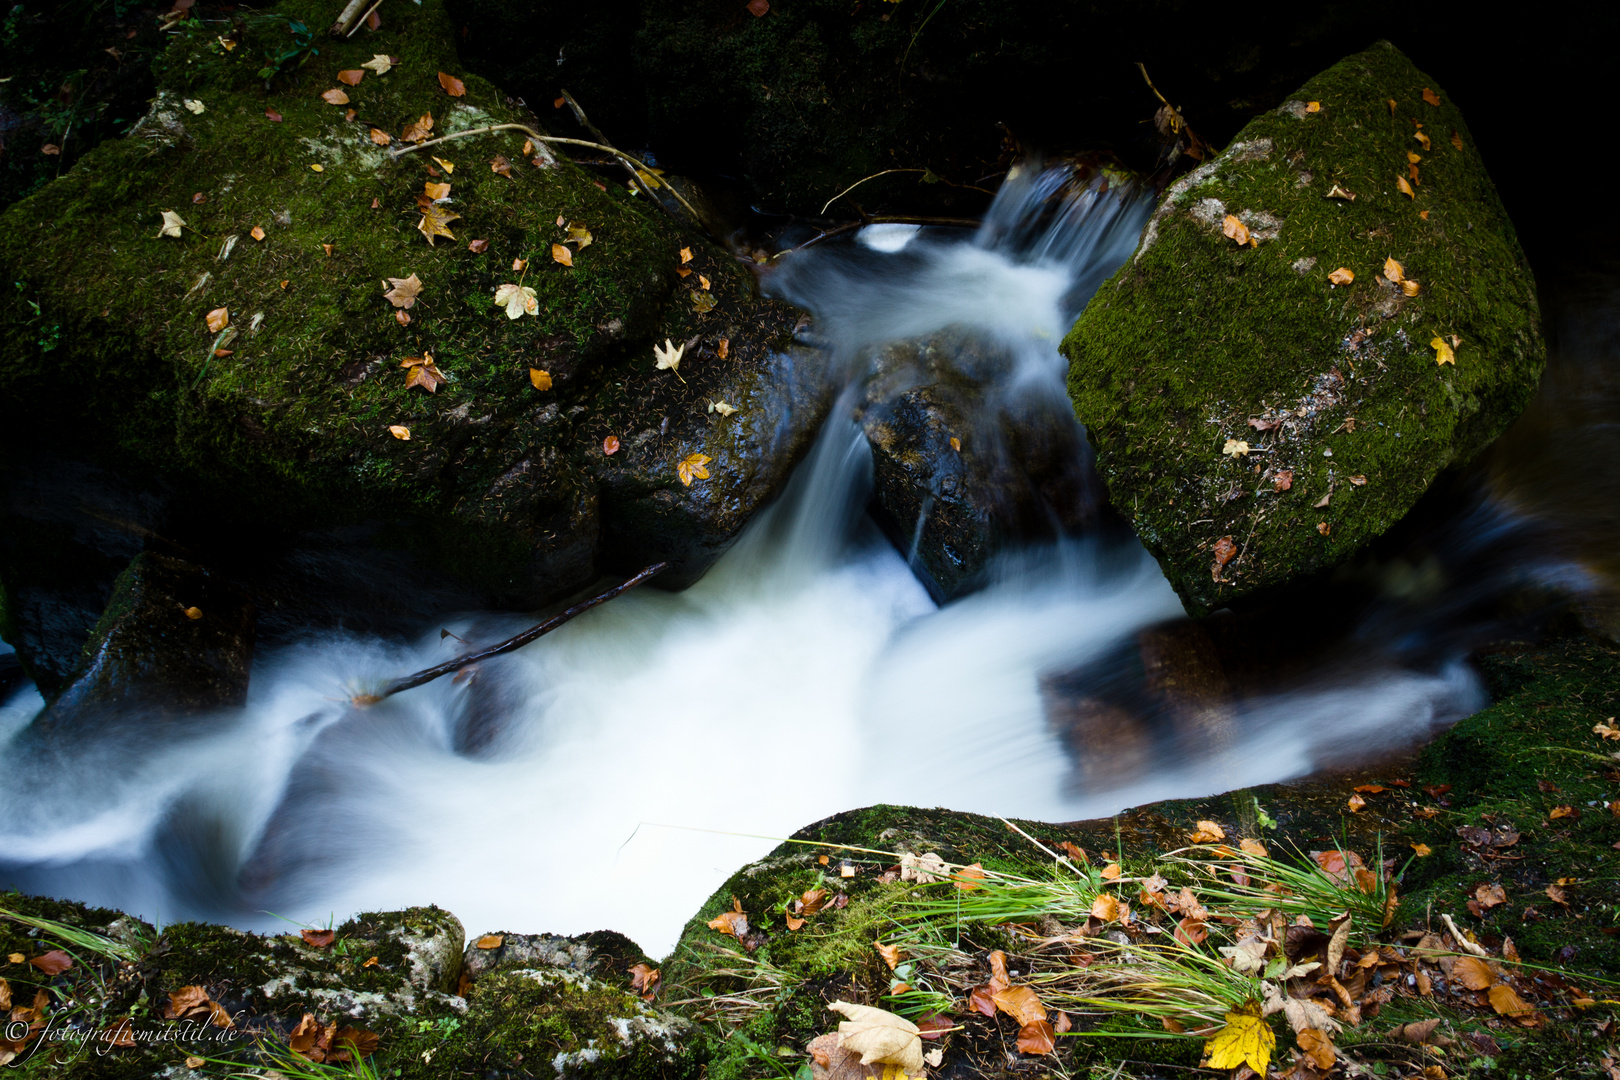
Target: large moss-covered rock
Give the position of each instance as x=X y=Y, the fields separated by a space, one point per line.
x=1336 y=388
x=284 y=421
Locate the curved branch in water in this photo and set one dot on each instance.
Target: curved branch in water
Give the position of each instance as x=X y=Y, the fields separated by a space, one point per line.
x=511 y=644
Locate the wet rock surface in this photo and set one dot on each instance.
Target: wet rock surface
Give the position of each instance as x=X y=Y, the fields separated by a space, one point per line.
x=1257 y=422
x=963 y=468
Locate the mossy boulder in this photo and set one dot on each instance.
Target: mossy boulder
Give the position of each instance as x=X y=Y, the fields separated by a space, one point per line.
x=282 y=419
x=1336 y=388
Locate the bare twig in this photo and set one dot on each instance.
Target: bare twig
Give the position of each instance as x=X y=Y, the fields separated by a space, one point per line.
x=361 y=20
x=348 y=17
x=511 y=644
x=901 y=219
x=539 y=138
x=886 y=172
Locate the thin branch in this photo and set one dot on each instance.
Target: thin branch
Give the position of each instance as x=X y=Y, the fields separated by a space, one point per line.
x=361 y=20
x=861 y=181
x=511 y=644
x=349 y=16
x=537 y=137
x=883 y=219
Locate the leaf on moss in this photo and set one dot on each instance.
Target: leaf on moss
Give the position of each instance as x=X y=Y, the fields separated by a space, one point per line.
x=735 y=922
x=423 y=372
x=381 y=63
x=1393 y=270
x=172 y=224
x=644 y=980
x=1410 y=287
x=540 y=379
x=1235 y=448
x=1404 y=188
x=1337 y=192
x=52 y=963
x=518 y=300
x=686 y=254
x=562 y=255
x=702 y=301
x=1342 y=276
x=490 y=941
x=1443 y=353
x=418 y=130
x=669 y=355
x=435 y=218
x=217 y=320
x=610 y=445
x=447 y=166
x=692 y=467
x=404 y=291
x=478 y=247
x=1430 y=96
x=335 y=96
x=579 y=235
x=1456 y=140
x=1234 y=229
x=501 y=167
x=891 y=954
x=1423 y=140
x=1207 y=832
x=1036 y=1037
x=351 y=77
x=452 y=85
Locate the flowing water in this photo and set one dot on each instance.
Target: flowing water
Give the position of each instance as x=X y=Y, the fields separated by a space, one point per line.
x=630 y=761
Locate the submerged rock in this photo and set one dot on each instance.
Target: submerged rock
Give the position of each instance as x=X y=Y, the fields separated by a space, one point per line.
x=1259 y=417
x=260 y=381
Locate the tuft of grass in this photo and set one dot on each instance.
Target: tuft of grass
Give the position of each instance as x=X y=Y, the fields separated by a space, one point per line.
x=1249 y=883
x=72 y=936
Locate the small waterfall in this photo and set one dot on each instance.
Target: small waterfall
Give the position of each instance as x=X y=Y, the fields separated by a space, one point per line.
x=809 y=672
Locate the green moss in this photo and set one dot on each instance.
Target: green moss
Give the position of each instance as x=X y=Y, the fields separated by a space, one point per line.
x=1196 y=335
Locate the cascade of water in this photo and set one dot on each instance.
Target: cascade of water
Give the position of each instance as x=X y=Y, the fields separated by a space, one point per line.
x=807 y=673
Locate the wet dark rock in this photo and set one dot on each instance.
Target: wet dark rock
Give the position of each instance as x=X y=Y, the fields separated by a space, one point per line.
x=174 y=638
x=1018 y=471
x=1258 y=423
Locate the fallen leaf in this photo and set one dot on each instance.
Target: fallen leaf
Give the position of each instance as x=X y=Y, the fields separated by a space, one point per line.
x=1410 y=287
x=257 y=233
x=1313 y=106
x=1393 y=270
x=1423 y=140
x=435 y=220
x=1337 y=192
x=478 y=247
x=1110 y=872
x=1106 y=907
x=351 y=77
x=686 y=255
x=956 y=444
x=1252 y=847
x=722 y=408
x=518 y=300
x=1490 y=895
x=418 y=130
x=891 y=953
x=335 y=96
x=318 y=939
x=172 y=224
x=1021 y=1003
x=733 y=922
x=540 y=379
x=194 y=106
x=490 y=941
x=1342 y=276
x=1245 y=1040
x=328 y=249
x=452 y=85
x=969 y=876
x=580 y=236
x=1284 y=480
x=562 y=255
x=193 y=613
x=1456 y=140
x=644 y=979
x=52 y=963
x=435 y=192
x=1404 y=188
x=704 y=302
x=1422 y=850
x=217 y=320
x=610 y=445
x=1207 y=832
x=1430 y=96
x=1224 y=550
x=1557 y=895
x=1036 y=1037
x=273 y=116
x=192 y=1060
x=380 y=63
x=423 y=372
x=1442 y=352
x=691 y=467
x=721 y=349
x=669 y=356
x=404 y=291
x=1235 y=447
x=1235 y=229
x=1508 y=1003
x=1471 y=972
x=1317 y=1046
x=402 y=317
x=1324 y=528
x=1356 y=802
x=758 y=8
x=1562 y=812
x=317 y=168
x=880 y=1037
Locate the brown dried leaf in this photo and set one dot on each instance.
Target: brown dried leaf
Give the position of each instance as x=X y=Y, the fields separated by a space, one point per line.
x=610 y=445
x=1430 y=96
x=1036 y=1037
x=1404 y=188
x=435 y=222
x=501 y=167
x=1021 y=1003
x=1490 y=895
x=381 y=137
x=257 y=233
x=1508 y=1003
x=1472 y=972
x=644 y=980
x=351 y=77
x=1317 y=1046
x=562 y=255
x=1234 y=229
x=452 y=85
x=734 y=922
x=404 y=291
x=335 y=96
x=1410 y=287
x=1342 y=276
x=184 y=1000
x=418 y=130
x=318 y=939
x=400 y=431
x=217 y=320
x=1393 y=270
x=1207 y=832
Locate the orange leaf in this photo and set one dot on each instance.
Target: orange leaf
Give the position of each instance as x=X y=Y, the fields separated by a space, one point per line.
x=381 y=137
x=1207 y=832
x=490 y=941
x=1394 y=272
x=721 y=349
x=562 y=255
x=1110 y=872
x=218 y=319
x=734 y=922
x=969 y=876
x=1342 y=276
x=692 y=467
x=1423 y=140
x=1021 y=1003
x=1473 y=973
x=1252 y=847
x=1316 y=1046
x=1313 y=106
x=1235 y=229
x=891 y=953
x=1561 y=812
x=980 y=1001
x=400 y=431
x=452 y=85
x=610 y=445
x=1430 y=96
x=999 y=979
x=643 y=979
x=1404 y=188
x=53 y=963
x=1490 y=895
x=686 y=254
x=540 y=379
x=1035 y=1038
x=1506 y=1002
x=257 y=233
x=1410 y=287
x=351 y=77
x=335 y=96
x=417 y=130
x=1456 y=140
x=319 y=939
x=1356 y=803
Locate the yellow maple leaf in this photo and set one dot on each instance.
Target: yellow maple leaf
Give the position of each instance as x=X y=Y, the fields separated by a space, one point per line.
x=435 y=220
x=579 y=234
x=1442 y=352
x=1245 y=1040
x=691 y=467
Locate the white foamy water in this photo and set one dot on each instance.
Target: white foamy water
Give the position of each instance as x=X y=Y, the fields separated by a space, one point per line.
x=806 y=674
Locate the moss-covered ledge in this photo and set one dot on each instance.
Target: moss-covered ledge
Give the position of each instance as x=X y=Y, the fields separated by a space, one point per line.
x=1216 y=335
